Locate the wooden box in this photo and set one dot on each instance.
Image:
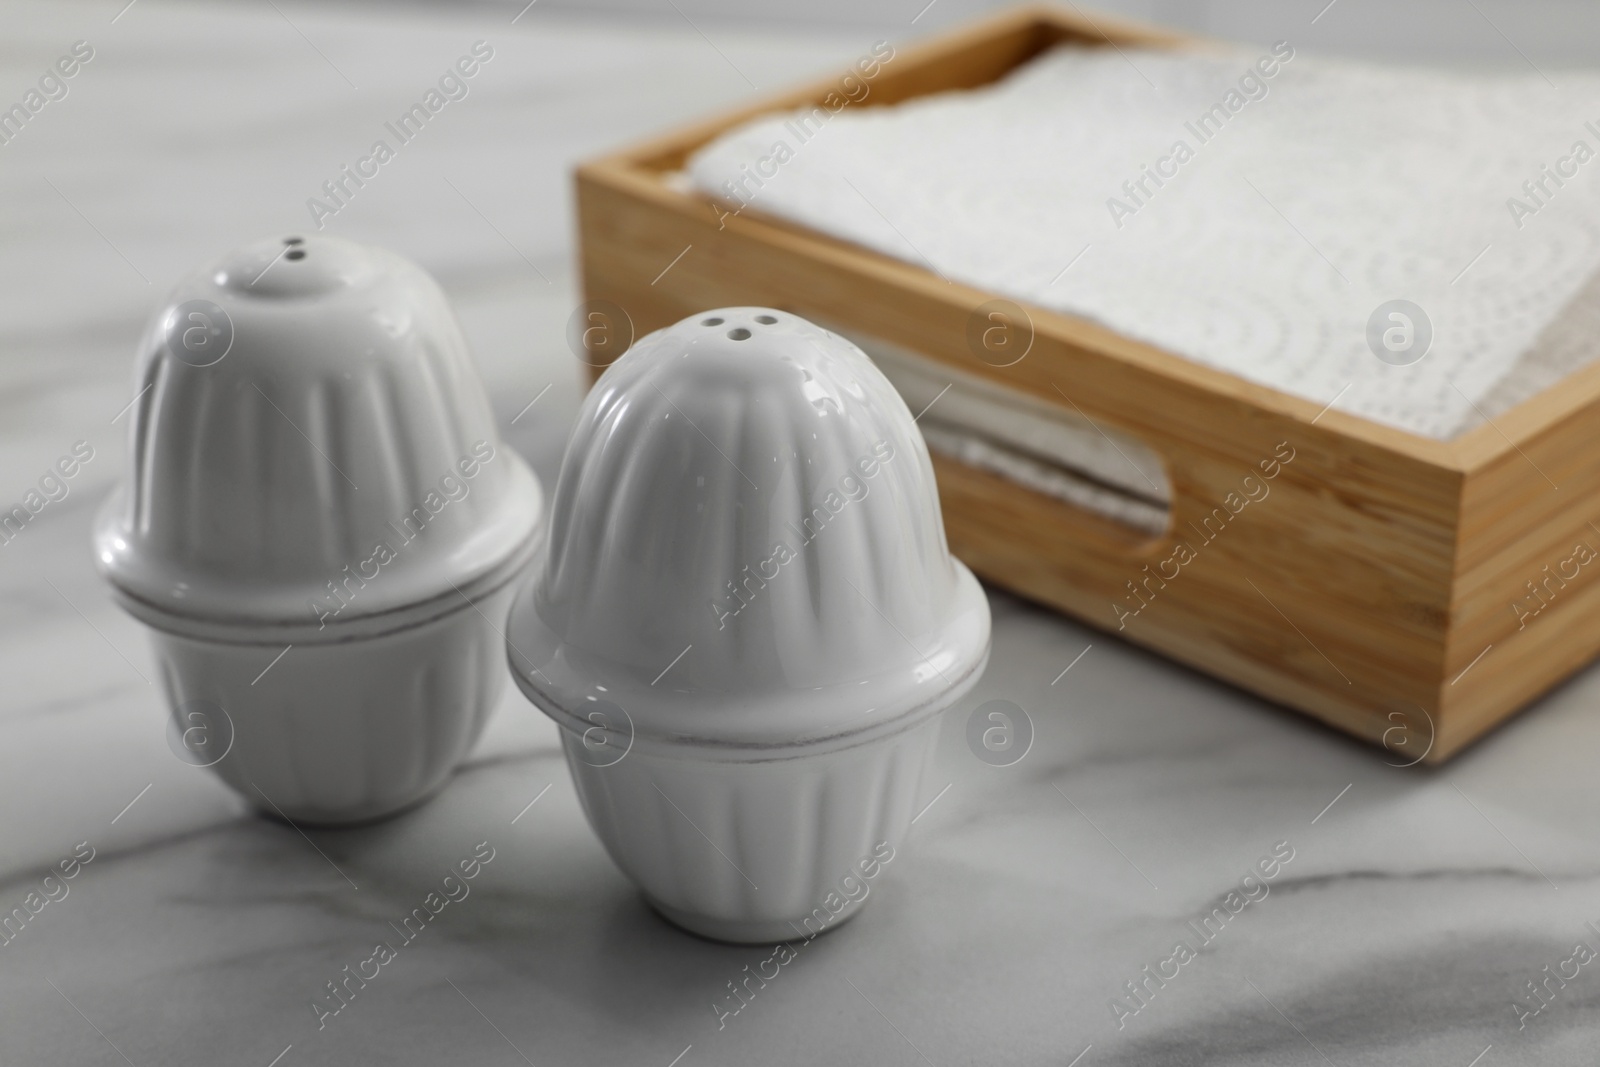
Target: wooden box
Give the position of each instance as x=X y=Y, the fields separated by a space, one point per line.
x=1413 y=592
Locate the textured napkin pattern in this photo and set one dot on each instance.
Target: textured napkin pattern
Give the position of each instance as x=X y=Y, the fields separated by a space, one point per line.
x=1292 y=207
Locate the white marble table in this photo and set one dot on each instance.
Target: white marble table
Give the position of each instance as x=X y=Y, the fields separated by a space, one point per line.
x=1416 y=905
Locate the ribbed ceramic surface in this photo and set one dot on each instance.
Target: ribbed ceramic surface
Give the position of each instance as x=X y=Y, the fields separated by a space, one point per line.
x=341 y=733
x=757 y=851
x=746 y=543
x=299 y=405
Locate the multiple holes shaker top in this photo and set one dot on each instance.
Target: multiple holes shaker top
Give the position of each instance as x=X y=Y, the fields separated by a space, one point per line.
x=739 y=333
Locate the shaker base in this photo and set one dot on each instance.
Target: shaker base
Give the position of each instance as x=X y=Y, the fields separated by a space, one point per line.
x=344 y=819
x=742 y=931
x=342 y=733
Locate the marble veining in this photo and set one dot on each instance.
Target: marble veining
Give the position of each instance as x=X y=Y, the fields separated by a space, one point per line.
x=1418 y=904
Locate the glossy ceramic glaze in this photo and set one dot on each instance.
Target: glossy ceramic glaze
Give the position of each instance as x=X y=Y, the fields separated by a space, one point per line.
x=314 y=470
x=747 y=618
x=753 y=849
x=339 y=733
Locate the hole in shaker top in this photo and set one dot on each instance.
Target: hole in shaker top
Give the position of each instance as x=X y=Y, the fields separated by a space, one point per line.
x=713 y=321
x=738 y=333
x=765 y=320
x=297 y=253
x=294 y=240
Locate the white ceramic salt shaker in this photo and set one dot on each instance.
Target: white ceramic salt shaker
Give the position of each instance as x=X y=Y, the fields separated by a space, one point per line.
x=320 y=527
x=748 y=621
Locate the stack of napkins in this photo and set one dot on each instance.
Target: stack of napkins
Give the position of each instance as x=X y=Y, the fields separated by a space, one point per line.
x=1256 y=211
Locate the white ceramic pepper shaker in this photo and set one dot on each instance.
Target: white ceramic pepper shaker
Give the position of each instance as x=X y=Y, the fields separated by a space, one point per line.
x=320 y=526
x=748 y=621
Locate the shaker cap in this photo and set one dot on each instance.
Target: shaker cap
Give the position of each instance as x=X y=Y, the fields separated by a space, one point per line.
x=746 y=546
x=310 y=445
